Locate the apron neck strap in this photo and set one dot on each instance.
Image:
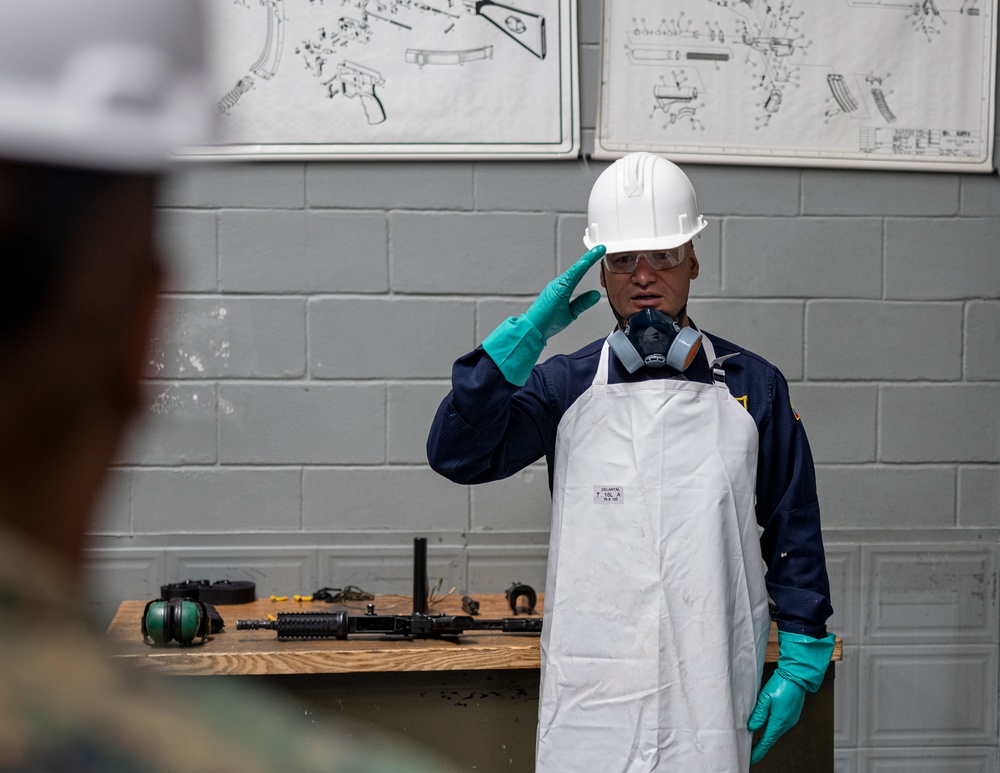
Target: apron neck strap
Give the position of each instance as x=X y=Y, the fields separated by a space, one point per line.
x=601 y=377
x=718 y=374
x=715 y=363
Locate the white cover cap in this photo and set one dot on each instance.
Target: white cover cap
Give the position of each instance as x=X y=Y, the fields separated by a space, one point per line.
x=106 y=84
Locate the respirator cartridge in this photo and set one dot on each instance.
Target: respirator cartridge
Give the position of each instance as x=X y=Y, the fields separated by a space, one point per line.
x=653 y=339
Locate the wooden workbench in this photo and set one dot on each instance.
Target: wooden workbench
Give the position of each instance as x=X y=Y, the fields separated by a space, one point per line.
x=473 y=697
x=259 y=653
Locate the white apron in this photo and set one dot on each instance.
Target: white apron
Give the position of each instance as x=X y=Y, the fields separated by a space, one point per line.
x=656 y=614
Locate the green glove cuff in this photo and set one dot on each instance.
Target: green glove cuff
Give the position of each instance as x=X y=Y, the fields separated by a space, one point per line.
x=515 y=347
x=803 y=659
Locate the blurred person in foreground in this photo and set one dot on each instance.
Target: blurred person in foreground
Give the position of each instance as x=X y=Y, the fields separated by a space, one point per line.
x=93 y=96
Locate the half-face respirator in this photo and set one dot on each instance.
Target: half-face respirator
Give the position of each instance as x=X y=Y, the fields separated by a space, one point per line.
x=653 y=339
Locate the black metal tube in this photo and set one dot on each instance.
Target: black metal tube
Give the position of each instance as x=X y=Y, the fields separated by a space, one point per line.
x=420 y=576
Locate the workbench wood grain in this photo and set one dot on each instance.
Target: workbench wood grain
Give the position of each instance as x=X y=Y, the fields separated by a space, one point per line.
x=259 y=653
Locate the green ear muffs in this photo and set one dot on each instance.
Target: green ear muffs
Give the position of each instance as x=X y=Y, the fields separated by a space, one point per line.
x=185 y=621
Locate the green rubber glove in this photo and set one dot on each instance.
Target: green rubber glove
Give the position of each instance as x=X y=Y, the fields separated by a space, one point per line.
x=518 y=342
x=802 y=664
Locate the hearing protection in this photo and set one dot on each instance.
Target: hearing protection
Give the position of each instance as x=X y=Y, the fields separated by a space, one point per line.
x=185 y=621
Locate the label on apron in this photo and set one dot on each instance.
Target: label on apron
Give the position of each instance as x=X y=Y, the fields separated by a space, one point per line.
x=609 y=495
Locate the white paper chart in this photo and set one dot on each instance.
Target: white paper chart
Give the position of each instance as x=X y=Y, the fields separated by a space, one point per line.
x=848 y=83
x=409 y=78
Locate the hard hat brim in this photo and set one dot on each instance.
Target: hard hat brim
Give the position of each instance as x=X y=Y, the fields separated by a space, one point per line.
x=653 y=243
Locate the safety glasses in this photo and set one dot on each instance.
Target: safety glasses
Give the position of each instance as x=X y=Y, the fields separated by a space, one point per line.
x=626 y=262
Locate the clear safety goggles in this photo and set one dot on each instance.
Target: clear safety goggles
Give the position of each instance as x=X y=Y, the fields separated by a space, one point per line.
x=626 y=262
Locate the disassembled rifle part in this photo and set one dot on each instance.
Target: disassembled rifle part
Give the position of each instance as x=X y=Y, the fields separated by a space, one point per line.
x=295 y=626
x=355 y=80
x=231 y=97
x=879 y=96
x=518 y=591
x=707 y=56
x=838 y=87
x=523 y=27
x=666 y=96
x=423 y=57
x=267 y=63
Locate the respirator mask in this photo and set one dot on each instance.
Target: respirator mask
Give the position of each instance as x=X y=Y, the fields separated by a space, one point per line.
x=653 y=339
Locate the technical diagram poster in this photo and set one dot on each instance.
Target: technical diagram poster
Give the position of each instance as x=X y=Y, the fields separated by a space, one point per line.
x=407 y=78
x=851 y=83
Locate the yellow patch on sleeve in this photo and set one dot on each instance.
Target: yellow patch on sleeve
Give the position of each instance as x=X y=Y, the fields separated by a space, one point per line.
x=743 y=400
x=794 y=412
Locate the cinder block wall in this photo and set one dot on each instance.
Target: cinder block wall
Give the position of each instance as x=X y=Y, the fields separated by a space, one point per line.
x=314 y=311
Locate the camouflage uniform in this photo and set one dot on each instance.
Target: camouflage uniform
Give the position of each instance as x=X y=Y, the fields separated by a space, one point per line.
x=66 y=706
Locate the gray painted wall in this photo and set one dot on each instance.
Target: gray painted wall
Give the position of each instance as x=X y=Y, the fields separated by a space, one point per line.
x=315 y=308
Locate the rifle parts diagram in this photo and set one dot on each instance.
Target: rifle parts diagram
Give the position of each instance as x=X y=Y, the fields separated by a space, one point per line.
x=884 y=83
x=396 y=76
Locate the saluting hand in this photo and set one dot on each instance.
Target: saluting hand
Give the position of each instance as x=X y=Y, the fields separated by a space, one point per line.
x=517 y=343
x=555 y=308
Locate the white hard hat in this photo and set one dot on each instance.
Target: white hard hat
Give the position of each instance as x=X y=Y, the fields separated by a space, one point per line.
x=642 y=202
x=107 y=84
